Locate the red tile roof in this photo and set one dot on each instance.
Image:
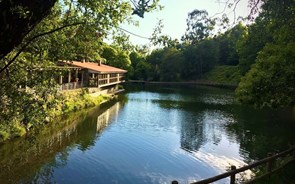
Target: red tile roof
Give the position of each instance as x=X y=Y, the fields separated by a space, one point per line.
x=96 y=67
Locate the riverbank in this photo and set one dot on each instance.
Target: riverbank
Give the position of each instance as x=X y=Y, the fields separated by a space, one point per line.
x=68 y=101
x=196 y=82
x=220 y=76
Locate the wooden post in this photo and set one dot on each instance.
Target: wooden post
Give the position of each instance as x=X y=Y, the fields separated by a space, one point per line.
x=82 y=78
x=60 y=79
x=76 y=79
x=69 y=80
x=69 y=76
x=60 y=82
x=98 y=80
x=233 y=176
x=108 y=75
x=270 y=163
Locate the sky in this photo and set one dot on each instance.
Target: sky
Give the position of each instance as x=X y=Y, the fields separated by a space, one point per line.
x=174 y=17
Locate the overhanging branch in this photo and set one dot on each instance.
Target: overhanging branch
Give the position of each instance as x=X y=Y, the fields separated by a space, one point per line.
x=32 y=39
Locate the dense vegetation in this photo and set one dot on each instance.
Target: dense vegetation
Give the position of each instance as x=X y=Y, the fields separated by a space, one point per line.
x=259 y=58
x=73 y=30
x=262 y=53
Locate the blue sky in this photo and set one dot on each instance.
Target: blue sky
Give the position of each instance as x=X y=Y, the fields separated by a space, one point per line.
x=174 y=17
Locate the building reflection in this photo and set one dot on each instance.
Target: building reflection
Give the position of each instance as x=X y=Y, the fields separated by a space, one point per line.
x=27 y=156
x=104 y=119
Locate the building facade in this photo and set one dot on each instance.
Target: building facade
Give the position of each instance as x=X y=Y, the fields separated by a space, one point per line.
x=96 y=77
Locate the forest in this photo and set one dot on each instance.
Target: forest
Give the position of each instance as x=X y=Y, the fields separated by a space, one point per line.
x=258 y=57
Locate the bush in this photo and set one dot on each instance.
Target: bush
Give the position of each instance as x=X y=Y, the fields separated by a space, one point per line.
x=271 y=80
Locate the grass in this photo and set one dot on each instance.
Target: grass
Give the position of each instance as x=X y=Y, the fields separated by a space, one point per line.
x=227 y=75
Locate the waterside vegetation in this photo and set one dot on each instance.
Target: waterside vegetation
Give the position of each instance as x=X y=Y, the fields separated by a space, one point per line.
x=63 y=104
x=259 y=57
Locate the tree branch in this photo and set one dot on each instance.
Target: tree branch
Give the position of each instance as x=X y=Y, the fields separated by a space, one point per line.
x=253 y=8
x=234 y=10
x=225 y=6
x=134 y=33
x=32 y=39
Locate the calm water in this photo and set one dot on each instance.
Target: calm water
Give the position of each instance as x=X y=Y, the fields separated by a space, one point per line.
x=149 y=136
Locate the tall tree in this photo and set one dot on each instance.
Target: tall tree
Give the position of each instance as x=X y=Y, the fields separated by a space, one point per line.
x=199 y=26
x=270 y=81
x=228 y=44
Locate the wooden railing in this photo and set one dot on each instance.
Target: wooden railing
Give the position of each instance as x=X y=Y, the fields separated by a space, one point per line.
x=270 y=161
x=71 y=86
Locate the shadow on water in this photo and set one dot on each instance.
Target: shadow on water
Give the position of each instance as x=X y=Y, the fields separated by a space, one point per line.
x=258 y=131
x=161 y=134
x=32 y=159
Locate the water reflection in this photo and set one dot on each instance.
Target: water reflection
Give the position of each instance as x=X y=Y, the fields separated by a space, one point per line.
x=262 y=131
x=156 y=137
x=32 y=160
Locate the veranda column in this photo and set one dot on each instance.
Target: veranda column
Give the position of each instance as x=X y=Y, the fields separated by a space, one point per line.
x=76 y=79
x=98 y=80
x=69 y=79
x=82 y=78
x=60 y=81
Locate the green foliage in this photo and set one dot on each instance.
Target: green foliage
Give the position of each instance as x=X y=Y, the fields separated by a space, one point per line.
x=116 y=57
x=143 y=70
x=78 y=101
x=171 y=65
x=228 y=44
x=271 y=81
x=28 y=90
x=200 y=26
x=16 y=123
x=135 y=58
x=229 y=75
x=199 y=59
x=251 y=43
x=166 y=64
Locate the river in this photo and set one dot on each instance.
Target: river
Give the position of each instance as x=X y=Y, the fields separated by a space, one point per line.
x=150 y=135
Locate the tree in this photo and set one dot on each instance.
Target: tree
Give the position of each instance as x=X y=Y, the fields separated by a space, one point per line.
x=228 y=45
x=159 y=39
x=155 y=59
x=171 y=65
x=270 y=81
x=251 y=43
x=199 y=59
x=71 y=30
x=116 y=57
x=199 y=26
x=135 y=58
x=143 y=71
x=18 y=18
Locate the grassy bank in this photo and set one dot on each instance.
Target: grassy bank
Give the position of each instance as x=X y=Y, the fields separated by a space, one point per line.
x=220 y=76
x=225 y=75
x=64 y=103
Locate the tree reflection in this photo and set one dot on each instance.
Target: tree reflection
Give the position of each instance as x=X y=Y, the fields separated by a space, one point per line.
x=201 y=123
x=262 y=131
x=32 y=160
